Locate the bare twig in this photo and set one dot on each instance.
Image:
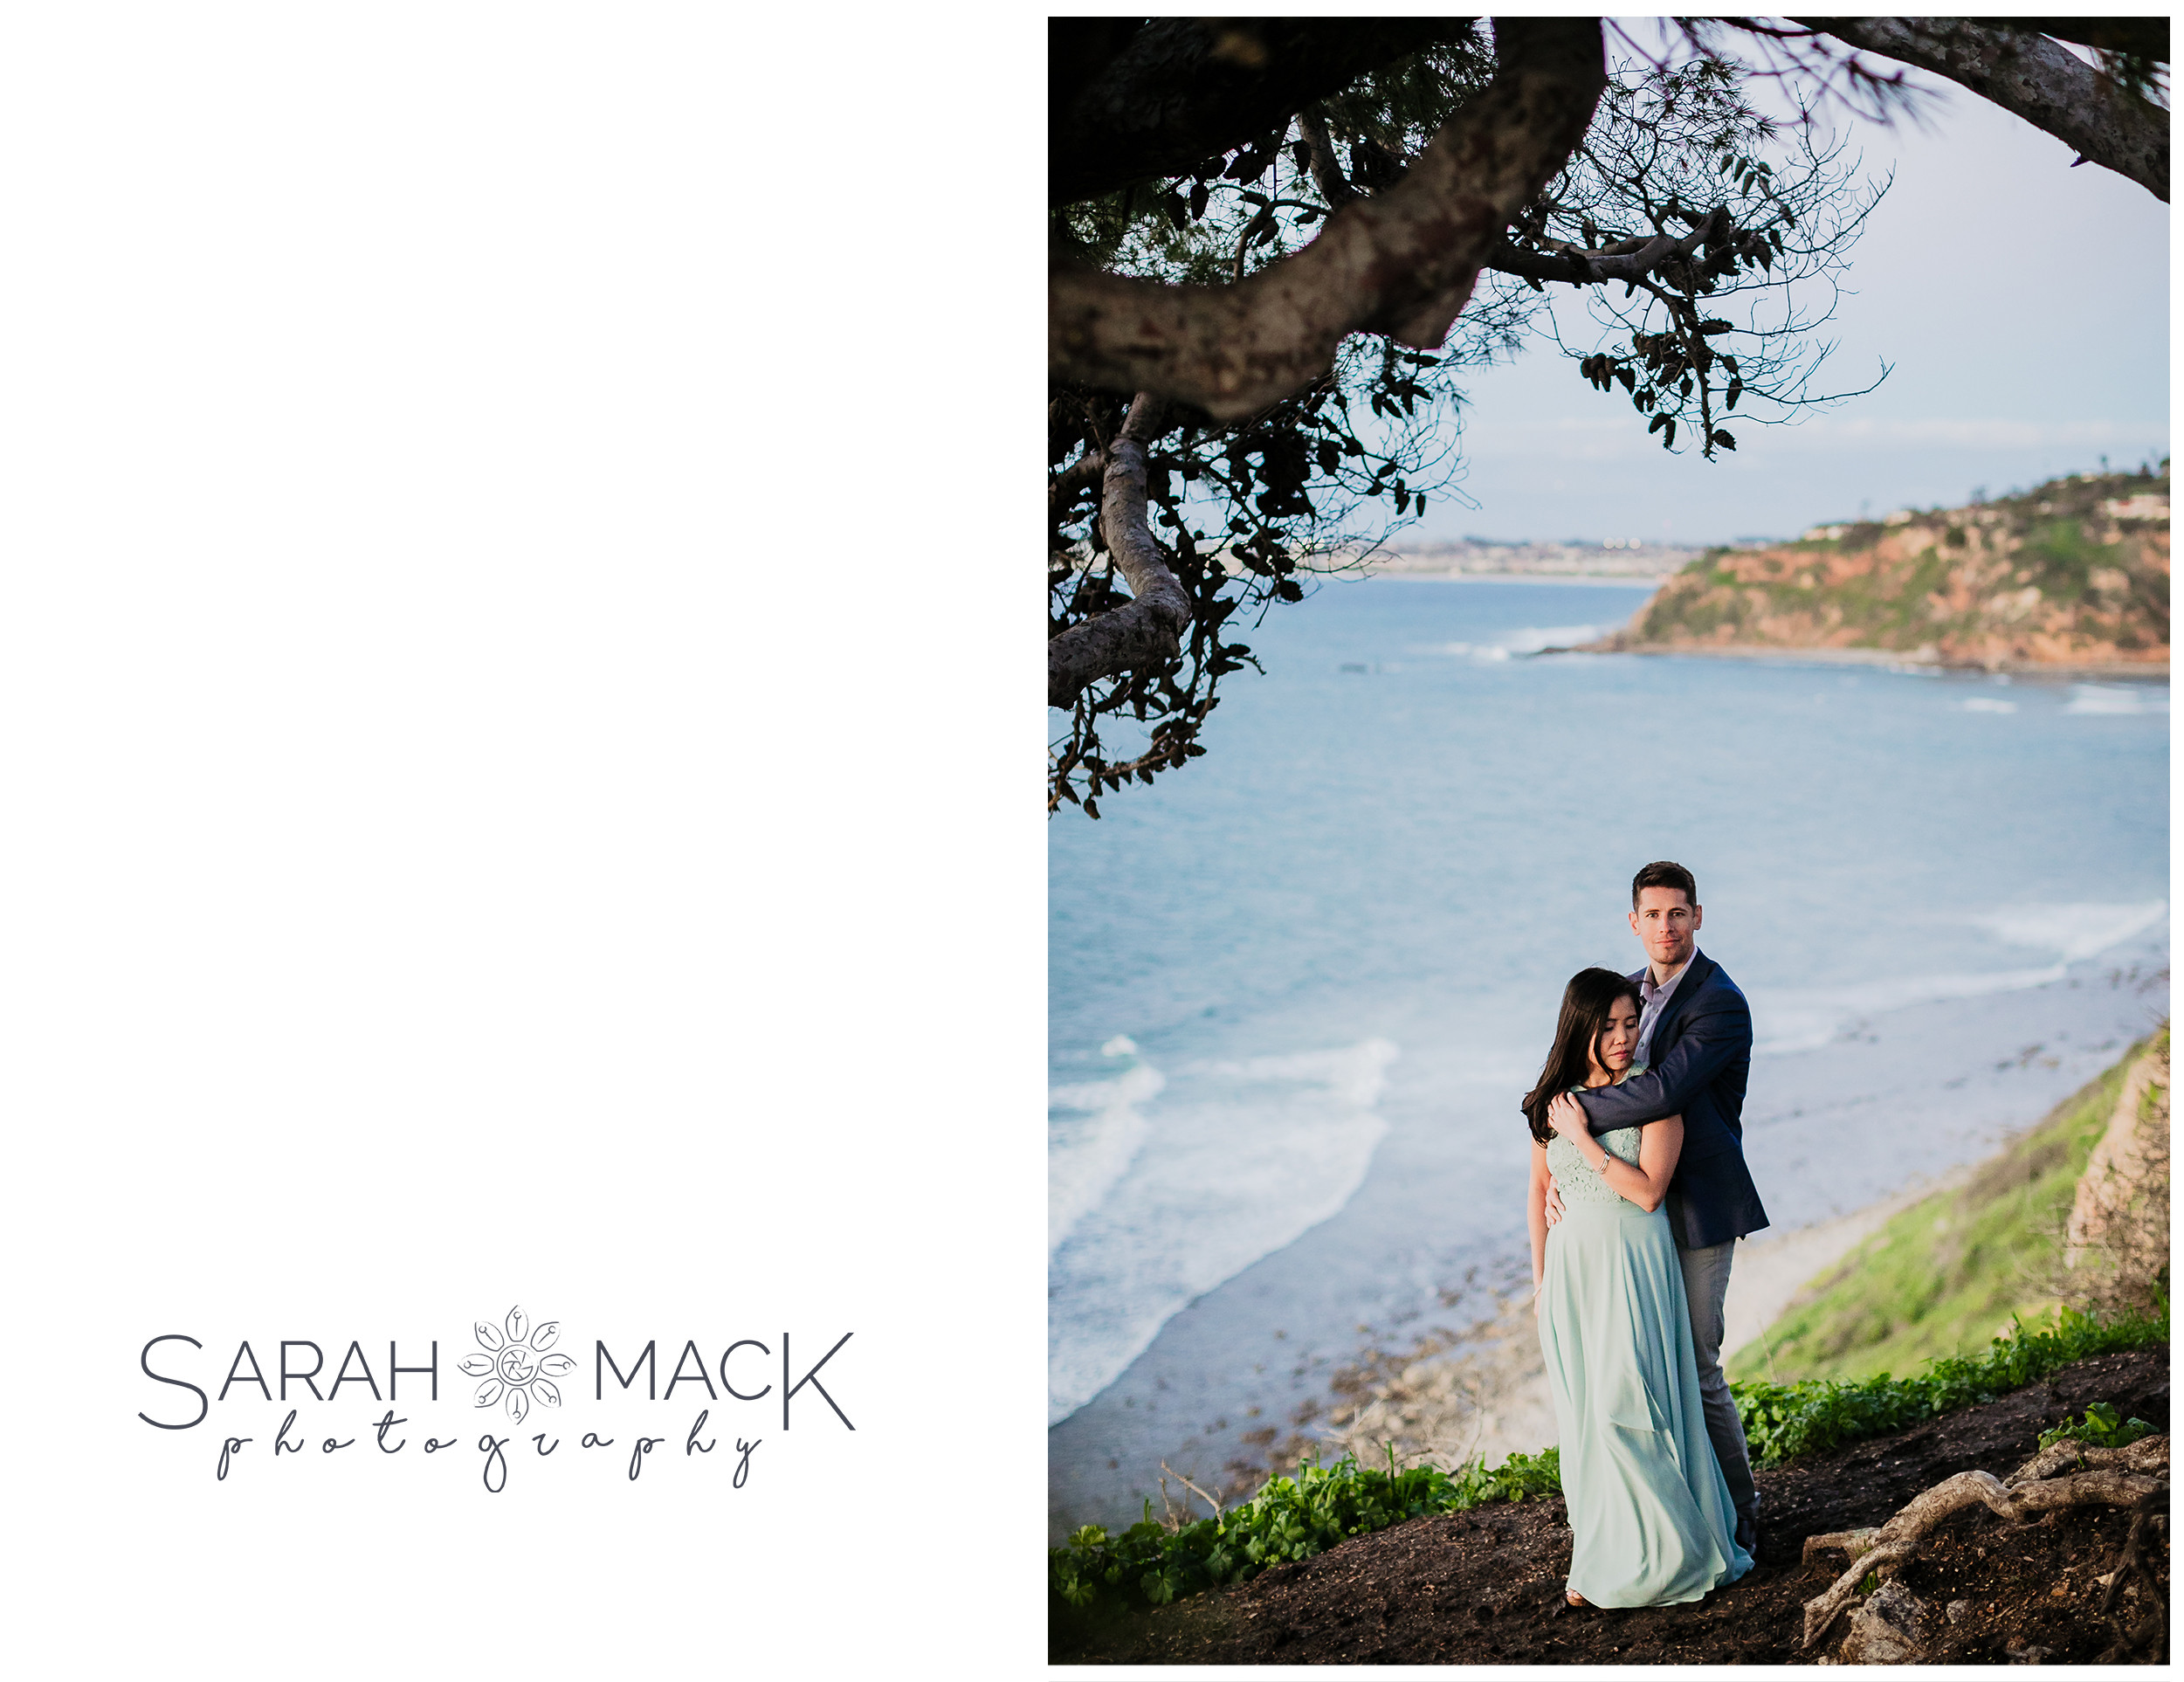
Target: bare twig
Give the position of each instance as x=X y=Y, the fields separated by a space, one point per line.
x=1192 y=1487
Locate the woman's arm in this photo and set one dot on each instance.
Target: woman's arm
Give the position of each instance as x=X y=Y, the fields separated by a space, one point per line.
x=1535 y=1219
x=1643 y=1182
x=1658 y=1147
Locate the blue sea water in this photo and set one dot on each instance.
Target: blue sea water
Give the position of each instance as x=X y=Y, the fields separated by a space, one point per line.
x=1298 y=987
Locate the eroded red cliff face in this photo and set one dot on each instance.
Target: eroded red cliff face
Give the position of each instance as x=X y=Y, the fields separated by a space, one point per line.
x=2074 y=573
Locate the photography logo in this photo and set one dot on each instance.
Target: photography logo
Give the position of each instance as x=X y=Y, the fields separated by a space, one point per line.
x=518 y=1369
x=523 y=1374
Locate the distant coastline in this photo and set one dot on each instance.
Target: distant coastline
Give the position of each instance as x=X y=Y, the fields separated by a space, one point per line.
x=1541 y=563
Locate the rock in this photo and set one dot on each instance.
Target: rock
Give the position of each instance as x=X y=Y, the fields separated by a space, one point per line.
x=1886 y=1629
x=2119 y=1219
x=1958 y=1610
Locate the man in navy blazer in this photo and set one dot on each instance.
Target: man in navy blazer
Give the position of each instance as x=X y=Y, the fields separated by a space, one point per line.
x=1695 y=1038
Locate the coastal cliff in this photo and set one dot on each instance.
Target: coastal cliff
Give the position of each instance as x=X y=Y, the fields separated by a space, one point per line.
x=2073 y=574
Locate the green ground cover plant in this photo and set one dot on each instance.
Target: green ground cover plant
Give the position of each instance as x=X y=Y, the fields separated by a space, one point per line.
x=1288 y=1519
x=1812 y=1416
x=1151 y=1564
x=2101 y=1428
x=1942 y=1276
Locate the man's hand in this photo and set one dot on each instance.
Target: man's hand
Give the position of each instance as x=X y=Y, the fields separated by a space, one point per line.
x=1553 y=1200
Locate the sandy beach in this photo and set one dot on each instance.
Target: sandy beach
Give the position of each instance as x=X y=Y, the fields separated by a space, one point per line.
x=1489 y=1395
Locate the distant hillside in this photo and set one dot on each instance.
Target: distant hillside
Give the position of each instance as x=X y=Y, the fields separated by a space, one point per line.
x=2073 y=573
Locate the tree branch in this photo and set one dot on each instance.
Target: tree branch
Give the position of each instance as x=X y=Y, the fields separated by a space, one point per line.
x=1404 y=263
x=1150 y=625
x=1631 y=259
x=1180 y=90
x=2030 y=76
x=1326 y=168
x=1080 y=475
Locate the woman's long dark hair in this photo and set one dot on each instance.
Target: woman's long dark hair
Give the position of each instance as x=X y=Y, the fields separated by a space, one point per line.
x=1586 y=1003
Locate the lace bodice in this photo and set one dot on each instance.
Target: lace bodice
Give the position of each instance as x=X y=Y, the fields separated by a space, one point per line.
x=1578 y=1181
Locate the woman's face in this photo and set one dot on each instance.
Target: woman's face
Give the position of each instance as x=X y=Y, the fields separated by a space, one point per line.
x=1618 y=1041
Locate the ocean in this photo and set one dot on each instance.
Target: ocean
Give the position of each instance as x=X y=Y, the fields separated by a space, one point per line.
x=1297 y=987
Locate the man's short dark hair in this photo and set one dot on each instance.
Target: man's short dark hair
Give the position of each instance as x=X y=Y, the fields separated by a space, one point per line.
x=1662 y=874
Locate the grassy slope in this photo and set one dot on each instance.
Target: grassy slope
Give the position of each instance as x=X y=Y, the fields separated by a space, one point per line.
x=1948 y=1273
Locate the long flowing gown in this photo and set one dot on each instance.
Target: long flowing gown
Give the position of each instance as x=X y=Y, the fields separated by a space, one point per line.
x=1649 y=1513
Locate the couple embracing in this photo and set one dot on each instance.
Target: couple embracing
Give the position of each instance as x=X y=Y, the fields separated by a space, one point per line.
x=1637 y=1196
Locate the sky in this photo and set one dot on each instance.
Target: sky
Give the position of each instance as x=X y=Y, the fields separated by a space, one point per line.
x=2022 y=307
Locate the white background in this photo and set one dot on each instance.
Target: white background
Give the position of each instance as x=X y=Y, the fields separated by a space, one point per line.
x=521 y=784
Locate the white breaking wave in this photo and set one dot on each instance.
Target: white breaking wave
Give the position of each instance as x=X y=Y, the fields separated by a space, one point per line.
x=1355 y=1074
x=1529 y=640
x=1239 y=1159
x=1798 y=1019
x=1086 y=1155
x=1989 y=704
x=2072 y=932
x=2123 y=699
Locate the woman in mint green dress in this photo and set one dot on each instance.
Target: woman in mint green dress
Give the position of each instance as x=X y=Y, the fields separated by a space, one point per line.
x=1650 y=1522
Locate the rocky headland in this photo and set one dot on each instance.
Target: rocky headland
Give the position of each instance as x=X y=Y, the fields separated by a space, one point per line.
x=2072 y=575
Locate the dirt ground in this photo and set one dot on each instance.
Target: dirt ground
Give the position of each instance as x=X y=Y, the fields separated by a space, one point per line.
x=1485 y=1586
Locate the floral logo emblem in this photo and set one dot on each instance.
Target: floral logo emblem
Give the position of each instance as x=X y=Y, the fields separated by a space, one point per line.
x=515 y=1365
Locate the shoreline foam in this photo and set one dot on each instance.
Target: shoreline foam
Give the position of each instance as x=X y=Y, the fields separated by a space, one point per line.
x=1818 y=654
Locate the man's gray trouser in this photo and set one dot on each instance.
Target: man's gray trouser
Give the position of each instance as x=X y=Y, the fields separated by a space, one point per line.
x=1706 y=1282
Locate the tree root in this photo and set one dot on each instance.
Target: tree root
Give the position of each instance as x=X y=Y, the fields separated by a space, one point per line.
x=1853 y=1542
x=2113 y=1480
x=2143 y=1641
x=2147 y=1454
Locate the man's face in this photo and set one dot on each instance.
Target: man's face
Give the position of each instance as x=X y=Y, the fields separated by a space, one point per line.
x=1666 y=924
